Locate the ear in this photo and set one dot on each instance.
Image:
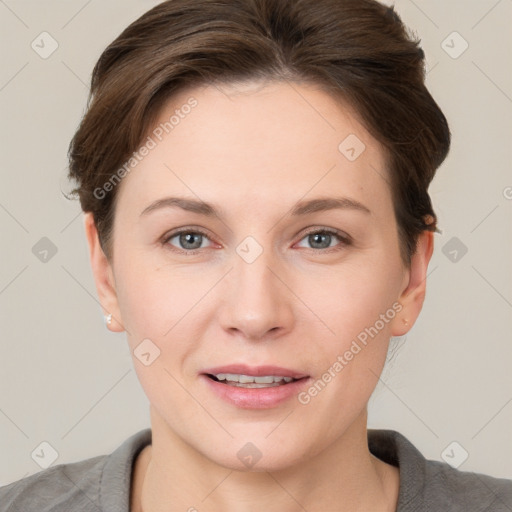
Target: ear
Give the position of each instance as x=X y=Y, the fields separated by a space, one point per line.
x=415 y=282
x=103 y=275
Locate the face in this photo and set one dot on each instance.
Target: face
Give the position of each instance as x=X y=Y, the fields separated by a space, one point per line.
x=278 y=256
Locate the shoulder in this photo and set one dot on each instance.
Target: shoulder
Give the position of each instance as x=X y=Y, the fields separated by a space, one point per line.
x=465 y=490
x=97 y=484
x=71 y=486
x=433 y=485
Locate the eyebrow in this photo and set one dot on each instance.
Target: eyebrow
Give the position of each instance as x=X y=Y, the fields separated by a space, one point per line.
x=301 y=208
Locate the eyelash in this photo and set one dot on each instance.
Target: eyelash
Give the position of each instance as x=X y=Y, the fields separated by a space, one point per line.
x=344 y=239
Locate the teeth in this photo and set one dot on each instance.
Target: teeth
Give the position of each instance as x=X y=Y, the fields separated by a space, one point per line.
x=249 y=379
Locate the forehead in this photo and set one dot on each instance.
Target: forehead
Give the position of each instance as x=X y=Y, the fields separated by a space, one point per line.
x=257 y=142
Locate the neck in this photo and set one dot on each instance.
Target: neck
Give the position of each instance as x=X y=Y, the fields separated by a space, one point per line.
x=170 y=475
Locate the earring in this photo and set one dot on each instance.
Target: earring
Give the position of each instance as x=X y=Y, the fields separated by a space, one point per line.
x=108 y=318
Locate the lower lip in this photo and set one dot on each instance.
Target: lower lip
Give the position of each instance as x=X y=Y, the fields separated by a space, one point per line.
x=256 y=398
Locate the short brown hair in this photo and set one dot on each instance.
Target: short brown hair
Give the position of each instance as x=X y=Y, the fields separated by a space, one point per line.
x=358 y=50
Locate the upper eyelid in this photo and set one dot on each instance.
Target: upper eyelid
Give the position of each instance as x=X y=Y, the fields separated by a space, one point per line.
x=179 y=231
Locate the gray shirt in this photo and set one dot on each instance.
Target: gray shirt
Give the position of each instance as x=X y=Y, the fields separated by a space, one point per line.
x=102 y=483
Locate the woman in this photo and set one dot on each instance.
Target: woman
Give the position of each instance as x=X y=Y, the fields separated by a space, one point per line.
x=254 y=178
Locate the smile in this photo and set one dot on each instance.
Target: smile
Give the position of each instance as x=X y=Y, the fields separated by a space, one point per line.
x=254 y=387
x=250 y=381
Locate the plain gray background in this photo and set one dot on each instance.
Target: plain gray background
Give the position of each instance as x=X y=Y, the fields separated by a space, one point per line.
x=68 y=381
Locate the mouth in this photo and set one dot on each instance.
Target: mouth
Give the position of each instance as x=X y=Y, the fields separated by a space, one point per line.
x=254 y=387
x=250 y=381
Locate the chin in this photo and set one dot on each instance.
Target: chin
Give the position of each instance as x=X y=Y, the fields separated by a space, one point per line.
x=258 y=455
x=261 y=465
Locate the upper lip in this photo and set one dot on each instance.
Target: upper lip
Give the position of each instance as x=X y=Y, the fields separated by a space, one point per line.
x=255 y=371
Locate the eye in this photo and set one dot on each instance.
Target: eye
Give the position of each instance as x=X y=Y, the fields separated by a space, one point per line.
x=322 y=239
x=187 y=240
x=190 y=241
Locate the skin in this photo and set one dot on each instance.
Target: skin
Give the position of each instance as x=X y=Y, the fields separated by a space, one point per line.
x=254 y=151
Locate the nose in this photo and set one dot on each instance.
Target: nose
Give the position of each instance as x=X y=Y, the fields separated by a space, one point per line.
x=257 y=301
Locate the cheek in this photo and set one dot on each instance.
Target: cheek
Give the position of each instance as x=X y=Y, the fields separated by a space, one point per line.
x=358 y=304
x=145 y=305
x=161 y=320
x=168 y=307
x=358 y=307
x=152 y=295
x=353 y=298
